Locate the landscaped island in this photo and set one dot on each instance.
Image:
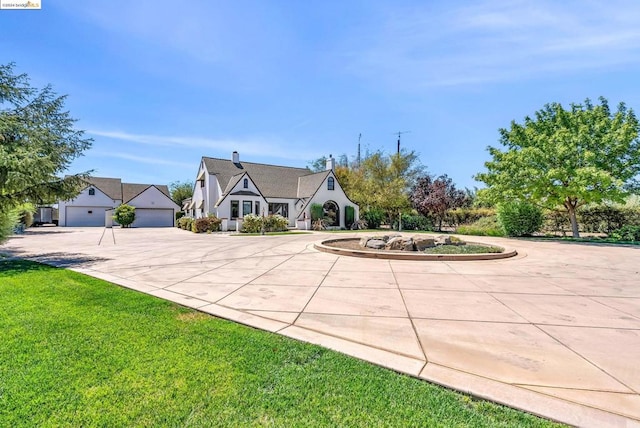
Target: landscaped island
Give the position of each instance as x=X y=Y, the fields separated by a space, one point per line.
x=416 y=247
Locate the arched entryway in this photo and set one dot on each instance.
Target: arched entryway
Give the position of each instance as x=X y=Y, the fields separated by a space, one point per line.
x=331 y=213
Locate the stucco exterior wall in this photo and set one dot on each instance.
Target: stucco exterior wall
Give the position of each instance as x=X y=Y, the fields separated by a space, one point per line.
x=153 y=198
x=100 y=199
x=337 y=195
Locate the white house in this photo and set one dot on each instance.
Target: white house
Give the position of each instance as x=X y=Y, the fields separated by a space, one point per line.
x=231 y=189
x=154 y=207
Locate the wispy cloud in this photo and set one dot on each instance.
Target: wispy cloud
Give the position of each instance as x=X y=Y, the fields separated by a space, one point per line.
x=256 y=146
x=141 y=159
x=494 y=41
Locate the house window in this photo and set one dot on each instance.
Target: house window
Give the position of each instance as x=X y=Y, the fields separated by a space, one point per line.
x=92 y=192
x=330 y=183
x=280 y=209
x=235 y=209
x=201 y=183
x=245 y=183
x=257 y=206
x=246 y=208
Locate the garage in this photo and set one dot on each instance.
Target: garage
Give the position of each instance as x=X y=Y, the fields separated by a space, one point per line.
x=153 y=217
x=85 y=216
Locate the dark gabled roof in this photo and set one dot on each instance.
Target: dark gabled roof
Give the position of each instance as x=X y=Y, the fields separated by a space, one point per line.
x=308 y=184
x=272 y=180
x=131 y=190
x=112 y=187
x=232 y=183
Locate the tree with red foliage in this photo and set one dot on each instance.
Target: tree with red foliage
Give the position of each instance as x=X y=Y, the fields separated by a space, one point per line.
x=433 y=197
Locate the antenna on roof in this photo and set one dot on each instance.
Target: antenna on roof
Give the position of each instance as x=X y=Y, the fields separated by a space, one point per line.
x=359 y=137
x=399 y=134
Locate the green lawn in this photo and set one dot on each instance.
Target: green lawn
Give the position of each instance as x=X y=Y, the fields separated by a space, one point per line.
x=78 y=351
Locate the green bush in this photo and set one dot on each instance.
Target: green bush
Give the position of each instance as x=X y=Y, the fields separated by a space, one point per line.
x=519 y=218
x=25 y=212
x=272 y=223
x=485 y=226
x=206 y=224
x=349 y=215
x=185 y=223
x=556 y=221
x=373 y=217
x=179 y=215
x=275 y=223
x=459 y=216
x=252 y=223
x=414 y=222
x=606 y=219
x=125 y=215
x=627 y=233
x=317 y=212
x=8 y=221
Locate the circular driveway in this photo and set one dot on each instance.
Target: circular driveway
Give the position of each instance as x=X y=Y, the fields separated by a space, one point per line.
x=554 y=330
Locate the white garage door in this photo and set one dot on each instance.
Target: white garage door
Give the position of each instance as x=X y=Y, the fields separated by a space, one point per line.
x=153 y=217
x=85 y=216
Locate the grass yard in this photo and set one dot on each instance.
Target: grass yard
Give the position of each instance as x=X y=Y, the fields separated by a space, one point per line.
x=78 y=351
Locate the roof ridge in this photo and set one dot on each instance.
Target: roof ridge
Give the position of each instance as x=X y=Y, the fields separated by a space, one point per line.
x=257 y=163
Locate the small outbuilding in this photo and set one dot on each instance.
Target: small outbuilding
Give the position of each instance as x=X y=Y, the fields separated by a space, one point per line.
x=154 y=207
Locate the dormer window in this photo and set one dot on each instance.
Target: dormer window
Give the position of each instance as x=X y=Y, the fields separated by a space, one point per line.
x=331 y=183
x=92 y=191
x=245 y=183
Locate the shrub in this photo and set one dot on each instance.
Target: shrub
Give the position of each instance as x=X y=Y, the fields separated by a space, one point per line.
x=25 y=212
x=414 y=222
x=317 y=212
x=519 y=218
x=373 y=217
x=252 y=223
x=185 y=223
x=605 y=219
x=8 y=221
x=214 y=223
x=627 y=233
x=275 y=223
x=349 y=215
x=206 y=224
x=125 y=215
x=272 y=223
x=556 y=221
x=179 y=215
x=485 y=226
x=460 y=216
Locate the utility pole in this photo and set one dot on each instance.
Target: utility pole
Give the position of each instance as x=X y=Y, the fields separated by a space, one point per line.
x=399 y=133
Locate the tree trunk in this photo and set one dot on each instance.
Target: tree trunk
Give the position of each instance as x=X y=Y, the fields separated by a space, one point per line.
x=571 y=209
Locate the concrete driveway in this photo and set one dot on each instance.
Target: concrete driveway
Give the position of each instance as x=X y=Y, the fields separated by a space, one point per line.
x=554 y=331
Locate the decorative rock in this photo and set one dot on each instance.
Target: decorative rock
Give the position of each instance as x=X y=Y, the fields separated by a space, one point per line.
x=364 y=240
x=395 y=243
x=376 y=244
x=387 y=238
x=443 y=240
x=421 y=243
x=408 y=245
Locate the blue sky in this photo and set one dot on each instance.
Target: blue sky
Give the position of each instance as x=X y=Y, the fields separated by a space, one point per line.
x=158 y=84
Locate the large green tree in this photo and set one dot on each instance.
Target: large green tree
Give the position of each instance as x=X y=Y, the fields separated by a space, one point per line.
x=568 y=158
x=38 y=142
x=381 y=181
x=181 y=190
